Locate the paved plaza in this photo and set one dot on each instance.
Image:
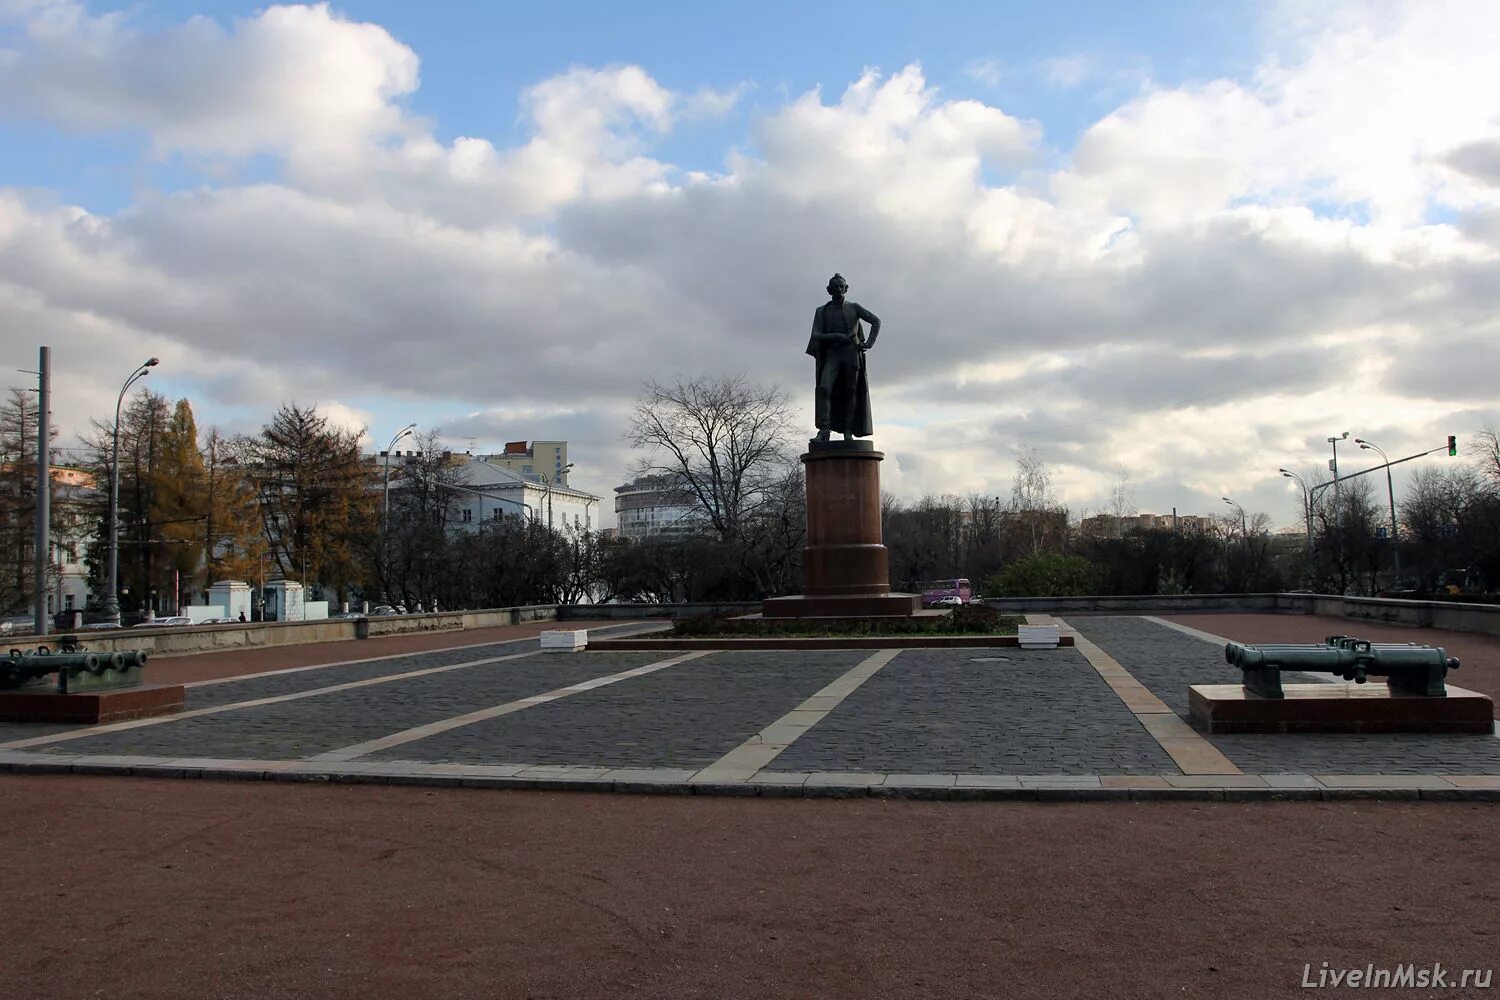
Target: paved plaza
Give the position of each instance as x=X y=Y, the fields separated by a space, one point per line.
x=1102 y=719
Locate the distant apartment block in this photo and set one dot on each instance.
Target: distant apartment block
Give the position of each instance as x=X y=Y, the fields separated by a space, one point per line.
x=1113 y=526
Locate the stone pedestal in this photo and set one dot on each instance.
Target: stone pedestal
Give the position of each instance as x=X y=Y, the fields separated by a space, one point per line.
x=1338 y=708
x=42 y=705
x=846 y=569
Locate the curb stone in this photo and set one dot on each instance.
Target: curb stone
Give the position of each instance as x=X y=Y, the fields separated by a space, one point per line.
x=1036 y=790
x=1179 y=794
x=1273 y=794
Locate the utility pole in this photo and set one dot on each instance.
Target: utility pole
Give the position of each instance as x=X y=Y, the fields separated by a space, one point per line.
x=1333 y=467
x=1391 y=494
x=43 y=488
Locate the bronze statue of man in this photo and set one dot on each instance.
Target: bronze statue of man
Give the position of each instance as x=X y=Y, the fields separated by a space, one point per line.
x=838 y=344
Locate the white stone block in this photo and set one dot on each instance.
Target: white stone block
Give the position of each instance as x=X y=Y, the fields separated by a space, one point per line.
x=565 y=641
x=1038 y=636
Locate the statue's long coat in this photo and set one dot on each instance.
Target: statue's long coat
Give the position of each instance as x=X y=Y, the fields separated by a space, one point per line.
x=860 y=423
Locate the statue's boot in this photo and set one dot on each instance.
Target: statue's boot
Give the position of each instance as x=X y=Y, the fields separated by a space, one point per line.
x=820 y=412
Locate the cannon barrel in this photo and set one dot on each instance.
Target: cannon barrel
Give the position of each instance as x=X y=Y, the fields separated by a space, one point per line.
x=19 y=669
x=1407 y=666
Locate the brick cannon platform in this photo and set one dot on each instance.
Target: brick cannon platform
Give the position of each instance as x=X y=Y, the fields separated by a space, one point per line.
x=1337 y=708
x=39 y=705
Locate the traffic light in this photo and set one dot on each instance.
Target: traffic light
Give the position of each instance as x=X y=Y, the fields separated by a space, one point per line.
x=1452 y=445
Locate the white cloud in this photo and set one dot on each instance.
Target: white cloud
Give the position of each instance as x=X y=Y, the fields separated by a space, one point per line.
x=988 y=72
x=709 y=102
x=1068 y=72
x=1219 y=276
x=298 y=81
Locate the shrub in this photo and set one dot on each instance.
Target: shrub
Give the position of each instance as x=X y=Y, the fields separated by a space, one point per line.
x=1045 y=574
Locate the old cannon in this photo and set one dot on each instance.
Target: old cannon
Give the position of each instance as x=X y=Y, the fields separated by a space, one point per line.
x=76 y=670
x=1406 y=666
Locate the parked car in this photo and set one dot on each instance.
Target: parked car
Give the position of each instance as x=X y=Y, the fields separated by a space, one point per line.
x=948 y=602
x=98 y=626
x=17 y=626
x=219 y=621
x=176 y=621
x=383 y=611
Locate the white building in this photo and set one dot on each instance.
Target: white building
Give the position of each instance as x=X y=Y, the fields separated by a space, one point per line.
x=486 y=491
x=656 y=507
x=73 y=499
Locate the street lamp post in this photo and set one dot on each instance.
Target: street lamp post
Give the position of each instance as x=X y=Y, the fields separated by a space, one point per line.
x=111 y=608
x=1306 y=510
x=548 y=483
x=1390 y=491
x=1244 y=532
x=385 y=512
x=385 y=507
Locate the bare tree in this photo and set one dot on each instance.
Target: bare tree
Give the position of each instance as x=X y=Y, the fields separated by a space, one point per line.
x=1033 y=507
x=724 y=440
x=1485 y=450
x=1121 y=495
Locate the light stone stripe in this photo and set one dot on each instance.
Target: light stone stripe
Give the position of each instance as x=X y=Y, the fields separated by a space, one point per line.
x=494 y=711
x=118 y=727
x=1185 y=745
x=371 y=659
x=1217 y=640
x=744 y=761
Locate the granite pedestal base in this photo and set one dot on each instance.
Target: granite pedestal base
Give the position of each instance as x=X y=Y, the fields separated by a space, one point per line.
x=32 y=705
x=845 y=566
x=842 y=606
x=1338 y=708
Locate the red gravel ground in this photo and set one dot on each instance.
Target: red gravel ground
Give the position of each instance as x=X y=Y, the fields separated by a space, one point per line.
x=1479 y=654
x=235 y=662
x=165 y=889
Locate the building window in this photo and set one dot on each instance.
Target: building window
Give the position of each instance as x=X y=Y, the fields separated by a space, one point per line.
x=497 y=513
x=68 y=602
x=467 y=515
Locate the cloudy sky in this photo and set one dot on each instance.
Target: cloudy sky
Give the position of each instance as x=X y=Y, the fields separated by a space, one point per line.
x=1188 y=243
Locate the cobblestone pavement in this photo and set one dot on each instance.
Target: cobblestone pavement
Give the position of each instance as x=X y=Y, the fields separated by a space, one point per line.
x=936 y=718
x=307 y=726
x=272 y=685
x=687 y=716
x=1003 y=711
x=1167 y=661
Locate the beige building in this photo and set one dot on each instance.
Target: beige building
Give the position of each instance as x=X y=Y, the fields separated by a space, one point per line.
x=548 y=459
